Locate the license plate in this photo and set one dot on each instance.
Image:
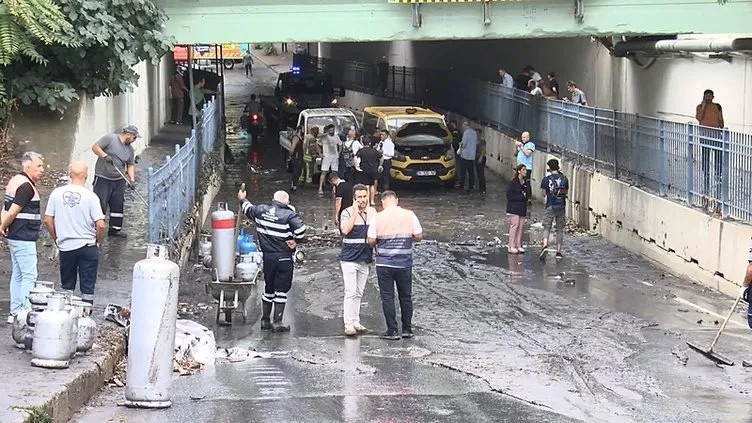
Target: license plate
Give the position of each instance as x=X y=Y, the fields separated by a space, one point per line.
x=426 y=173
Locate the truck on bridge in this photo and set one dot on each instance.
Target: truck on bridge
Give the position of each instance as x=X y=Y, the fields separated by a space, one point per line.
x=297 y=91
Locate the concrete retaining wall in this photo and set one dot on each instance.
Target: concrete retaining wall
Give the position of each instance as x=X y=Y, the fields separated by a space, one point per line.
x=685 y=241
x=70 y=136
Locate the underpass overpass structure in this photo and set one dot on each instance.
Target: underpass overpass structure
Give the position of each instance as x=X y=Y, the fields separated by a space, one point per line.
x=224 y=21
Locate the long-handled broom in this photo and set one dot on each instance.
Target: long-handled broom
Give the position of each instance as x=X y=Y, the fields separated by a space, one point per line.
x=709 y=353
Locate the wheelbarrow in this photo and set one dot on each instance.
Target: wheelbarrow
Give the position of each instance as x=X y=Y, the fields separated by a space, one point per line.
x=232 y=297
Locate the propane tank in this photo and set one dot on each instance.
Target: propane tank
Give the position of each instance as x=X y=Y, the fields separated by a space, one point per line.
x=246 y=269
x=38 y=299
x=204 y=246
x=87 y=327
x=52 y=333
x=223 y=241
x=76 y=311
x=18 y=332
x=154 y=308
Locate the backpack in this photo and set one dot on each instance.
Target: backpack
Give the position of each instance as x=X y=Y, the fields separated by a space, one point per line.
x=561 y=187
x=347 y=154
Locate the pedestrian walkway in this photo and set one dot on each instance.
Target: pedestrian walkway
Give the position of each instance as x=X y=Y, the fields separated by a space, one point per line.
x=66 y=390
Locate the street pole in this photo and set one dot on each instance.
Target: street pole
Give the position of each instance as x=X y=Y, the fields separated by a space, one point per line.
x=192 y=94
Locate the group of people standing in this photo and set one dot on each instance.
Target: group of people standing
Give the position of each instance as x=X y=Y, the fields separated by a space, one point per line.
x=358 y=159
x=385 y=237
x=531 y=81
x=74 y=216
x=519 y=196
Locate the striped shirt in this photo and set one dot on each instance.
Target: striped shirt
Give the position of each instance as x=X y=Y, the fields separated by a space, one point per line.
x=355 y=247
x=393 y=229
x=276 y=224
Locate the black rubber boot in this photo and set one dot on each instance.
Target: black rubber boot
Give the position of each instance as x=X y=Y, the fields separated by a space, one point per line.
x=266 y=312
x=279 y=311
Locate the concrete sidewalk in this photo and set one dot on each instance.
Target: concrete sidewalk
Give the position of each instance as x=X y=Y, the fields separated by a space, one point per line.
x=279 y=63
x=62 y=392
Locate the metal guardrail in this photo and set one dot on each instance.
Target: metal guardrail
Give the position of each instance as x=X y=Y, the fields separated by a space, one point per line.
x=704 y=167
x=172 y=186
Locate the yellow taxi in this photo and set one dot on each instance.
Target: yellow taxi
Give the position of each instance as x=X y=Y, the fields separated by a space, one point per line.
x=422 y=142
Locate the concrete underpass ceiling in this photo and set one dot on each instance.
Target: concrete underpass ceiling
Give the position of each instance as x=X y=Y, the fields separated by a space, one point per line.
x=217 y=21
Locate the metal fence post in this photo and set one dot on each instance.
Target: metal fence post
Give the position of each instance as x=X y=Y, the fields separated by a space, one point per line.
x=690 y=162
x=394 y=81
x=404 y=82
x=725 y=162
x=662 y=157
x=616 y=146
x=151 y=210
x=595 y=138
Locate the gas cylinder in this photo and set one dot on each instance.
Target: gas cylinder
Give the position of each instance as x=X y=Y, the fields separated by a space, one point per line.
x=246 y=269
x=154 y=308
x=18 y=332
x=38 y=299
x=223 y=241
x=204 y=246
x=76 y=311
x=87 y=327
x=52 y=332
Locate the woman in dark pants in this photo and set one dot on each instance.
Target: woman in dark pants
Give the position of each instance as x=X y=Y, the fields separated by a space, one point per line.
x=517 y=208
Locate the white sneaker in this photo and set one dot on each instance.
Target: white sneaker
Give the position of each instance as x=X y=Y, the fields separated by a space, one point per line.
x=350 y=330
x=11 y=318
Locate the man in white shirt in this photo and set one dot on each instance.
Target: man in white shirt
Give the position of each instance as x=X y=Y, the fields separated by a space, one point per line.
x=349 y=150
x=387 y=152
x=328 y=148
x=75 y=221
x=506 y=79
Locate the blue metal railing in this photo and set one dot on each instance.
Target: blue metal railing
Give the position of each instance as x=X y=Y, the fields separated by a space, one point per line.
x=705 y=167
x=172 y=186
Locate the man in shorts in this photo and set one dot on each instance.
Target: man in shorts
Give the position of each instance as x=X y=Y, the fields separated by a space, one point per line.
x=329 y=147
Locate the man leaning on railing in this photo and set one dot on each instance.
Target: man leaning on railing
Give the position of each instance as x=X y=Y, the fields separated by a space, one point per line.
x=710 y=116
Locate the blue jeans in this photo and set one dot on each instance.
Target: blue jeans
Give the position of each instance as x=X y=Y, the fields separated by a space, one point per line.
x=23 y=258
x=81 y=263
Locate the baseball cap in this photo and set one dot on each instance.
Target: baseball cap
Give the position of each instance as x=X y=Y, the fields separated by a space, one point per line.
x=131 y=129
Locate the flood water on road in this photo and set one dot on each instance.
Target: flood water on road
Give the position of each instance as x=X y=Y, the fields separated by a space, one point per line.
x=597 y=336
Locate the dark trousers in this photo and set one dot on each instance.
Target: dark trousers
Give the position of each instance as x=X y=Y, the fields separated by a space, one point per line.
x=81 y=263
x=297 y=169
x=467 y=168
x=529 y=185
x=386 y=176
x=111 y=194
x=248 y=70
x=480 y=168
x=178 y=109
x=277 y=277
x=403 y=278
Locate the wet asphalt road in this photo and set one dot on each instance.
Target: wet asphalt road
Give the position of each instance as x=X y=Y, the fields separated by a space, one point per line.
x=598 y=336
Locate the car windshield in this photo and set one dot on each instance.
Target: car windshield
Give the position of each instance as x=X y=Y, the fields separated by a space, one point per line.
x=396 y=123
x=309 y=85
x=340 y=122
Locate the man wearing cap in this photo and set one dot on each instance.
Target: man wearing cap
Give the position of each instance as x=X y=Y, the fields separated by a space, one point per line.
x=115 y=169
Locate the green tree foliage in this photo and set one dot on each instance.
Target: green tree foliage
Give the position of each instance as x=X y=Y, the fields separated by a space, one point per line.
x=102 y=42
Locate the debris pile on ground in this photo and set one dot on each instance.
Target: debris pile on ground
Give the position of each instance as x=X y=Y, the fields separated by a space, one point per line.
x=194 y=343
x=190 y=310
x=118 y=375
x=118 y=314
x=324 y=239
x=186 y=366
x=574 y=229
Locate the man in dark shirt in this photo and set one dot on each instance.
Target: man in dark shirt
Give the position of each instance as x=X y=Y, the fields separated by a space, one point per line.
x=20 y=221
x=343 y=195
x=368 y=164
x=522 y=79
